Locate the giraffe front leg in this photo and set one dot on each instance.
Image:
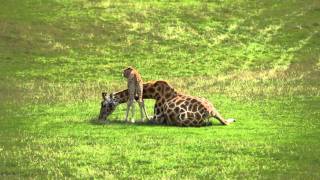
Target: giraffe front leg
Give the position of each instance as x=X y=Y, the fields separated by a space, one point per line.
x=132 y=112
x=129 y=105
x=128 y=109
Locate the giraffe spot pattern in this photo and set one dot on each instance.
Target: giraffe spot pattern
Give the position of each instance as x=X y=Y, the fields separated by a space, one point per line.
x=171 y=105
x=167 y=96
x=177 y=110
x=152 y=90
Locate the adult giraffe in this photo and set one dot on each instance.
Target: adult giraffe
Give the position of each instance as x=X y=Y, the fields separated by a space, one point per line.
x=171 y=107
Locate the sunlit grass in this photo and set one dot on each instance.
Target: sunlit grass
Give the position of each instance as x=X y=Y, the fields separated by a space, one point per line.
x=257 y=62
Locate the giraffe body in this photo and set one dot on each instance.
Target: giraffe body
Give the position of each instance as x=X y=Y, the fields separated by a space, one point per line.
x=173 y=108
x=135 y=89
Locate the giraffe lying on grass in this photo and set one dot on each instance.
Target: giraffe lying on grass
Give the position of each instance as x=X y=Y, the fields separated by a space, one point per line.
x=171 y=107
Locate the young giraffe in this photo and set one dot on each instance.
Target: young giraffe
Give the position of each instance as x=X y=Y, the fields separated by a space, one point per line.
x=135 y=88
x=171 y=107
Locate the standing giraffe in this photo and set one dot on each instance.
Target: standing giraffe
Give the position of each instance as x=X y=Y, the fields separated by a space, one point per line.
x=135 y=88
x=171 y=107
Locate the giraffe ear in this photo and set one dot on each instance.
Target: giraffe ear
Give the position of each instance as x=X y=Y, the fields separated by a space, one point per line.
x=111 y=95
x=104 y=95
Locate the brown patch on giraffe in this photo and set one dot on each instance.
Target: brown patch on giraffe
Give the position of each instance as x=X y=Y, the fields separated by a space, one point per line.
x=167 y=96
x=190 y=115
x=170 y=111
x=172 y=116
x=182 y=116
x=202 y=110
x=151 y=90
x=171 y=105
x=158 y=109
x=183 y=106
x=194 y=108
x=187 y=103
x=179 y=102
x=159 y=89
x=198 y=116
x=193 y=101
x=162 y=101
x=121 y=95
x=177 y=110
x=205 y=115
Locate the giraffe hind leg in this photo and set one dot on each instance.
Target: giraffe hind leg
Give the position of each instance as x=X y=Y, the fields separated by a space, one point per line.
x=143 y=111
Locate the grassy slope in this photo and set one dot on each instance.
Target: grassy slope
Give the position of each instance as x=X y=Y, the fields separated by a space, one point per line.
x=257 y=61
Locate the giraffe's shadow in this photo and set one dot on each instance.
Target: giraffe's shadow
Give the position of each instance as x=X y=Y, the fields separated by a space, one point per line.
x=97 y=122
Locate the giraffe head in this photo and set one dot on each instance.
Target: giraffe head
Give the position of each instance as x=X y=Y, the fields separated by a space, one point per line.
x=127 y=71
x=108 y=105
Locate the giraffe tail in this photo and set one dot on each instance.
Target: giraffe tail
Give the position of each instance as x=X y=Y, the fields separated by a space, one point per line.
x=221 y=119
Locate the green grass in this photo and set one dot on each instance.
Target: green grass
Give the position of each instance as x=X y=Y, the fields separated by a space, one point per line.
x=258 y=62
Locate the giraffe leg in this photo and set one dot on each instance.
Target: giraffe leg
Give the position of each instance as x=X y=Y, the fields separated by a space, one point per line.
x=144 y=109
x=130 y=103
x=141 y=110
x=139 y=92
x=132 y=112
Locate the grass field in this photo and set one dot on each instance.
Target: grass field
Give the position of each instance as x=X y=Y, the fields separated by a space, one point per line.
x=256 y=61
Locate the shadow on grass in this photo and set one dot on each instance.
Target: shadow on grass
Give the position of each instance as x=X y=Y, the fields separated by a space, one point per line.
x=95 y=121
